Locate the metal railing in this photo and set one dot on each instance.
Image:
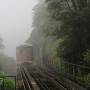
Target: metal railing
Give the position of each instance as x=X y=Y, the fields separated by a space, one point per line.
x=3 y=82
x=80 y=73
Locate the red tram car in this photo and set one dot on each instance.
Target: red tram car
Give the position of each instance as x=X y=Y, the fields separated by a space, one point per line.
x=24 y=53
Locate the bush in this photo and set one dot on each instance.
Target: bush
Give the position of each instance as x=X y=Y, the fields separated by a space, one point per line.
x=8 y=83
x=87 y=56
x=88 y=79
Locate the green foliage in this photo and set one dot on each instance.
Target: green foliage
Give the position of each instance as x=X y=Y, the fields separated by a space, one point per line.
x=8 y=83
x=74 y=27
x=67 y=20
x=87 y=79
x=2 y=75
x=87 y=56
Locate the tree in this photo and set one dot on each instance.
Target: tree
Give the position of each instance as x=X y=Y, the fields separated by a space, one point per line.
x=6 y=61
x=1 y=47
x=42 y=25
x=1 y=43
x=65 y=20
x=73 y=16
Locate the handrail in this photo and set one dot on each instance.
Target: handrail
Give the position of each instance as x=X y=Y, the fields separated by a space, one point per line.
x=2 y=86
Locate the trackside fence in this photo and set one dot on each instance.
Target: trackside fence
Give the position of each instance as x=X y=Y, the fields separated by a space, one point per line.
x=72 y=71
x=8 y=83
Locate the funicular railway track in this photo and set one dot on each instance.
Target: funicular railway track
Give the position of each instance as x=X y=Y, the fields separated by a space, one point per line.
x=43 y=80
x=47 y=83
x=20 y=81
x=65 y=82
x=57 y=81
x=23 y=82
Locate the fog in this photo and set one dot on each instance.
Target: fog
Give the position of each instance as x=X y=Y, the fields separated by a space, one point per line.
x=15 y=22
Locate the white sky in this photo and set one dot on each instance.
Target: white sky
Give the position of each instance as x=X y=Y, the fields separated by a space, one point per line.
x=15 y=22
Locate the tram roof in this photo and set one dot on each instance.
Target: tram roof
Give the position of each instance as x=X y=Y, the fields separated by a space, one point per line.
x=24 y=45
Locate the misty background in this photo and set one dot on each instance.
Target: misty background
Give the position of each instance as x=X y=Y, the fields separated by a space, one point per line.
x=15 y=23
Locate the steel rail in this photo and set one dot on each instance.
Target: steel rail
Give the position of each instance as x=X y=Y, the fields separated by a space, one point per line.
x=43 y=85
x=53 y=79
x=26 y=82
x=21 y=79
x=33 y=83
x=39 y=81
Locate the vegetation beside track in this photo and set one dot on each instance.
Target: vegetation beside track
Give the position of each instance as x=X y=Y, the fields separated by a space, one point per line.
x=63 y=35
x=6 y=83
